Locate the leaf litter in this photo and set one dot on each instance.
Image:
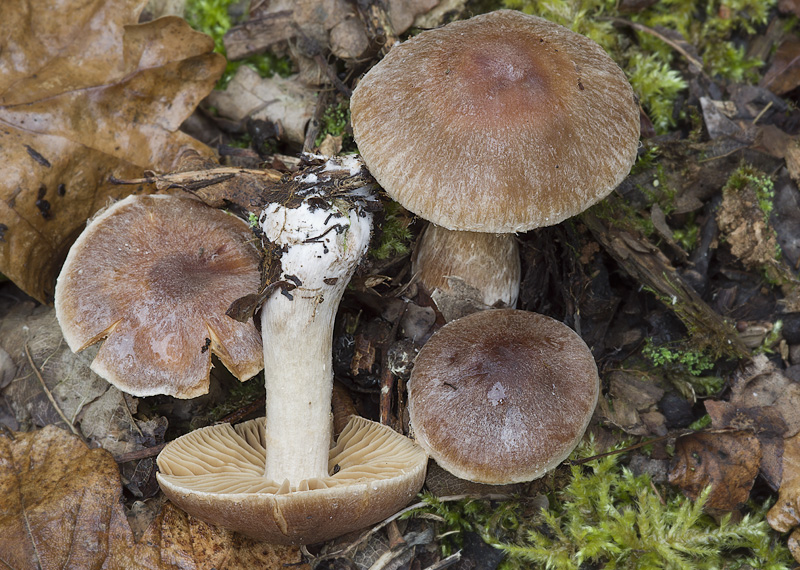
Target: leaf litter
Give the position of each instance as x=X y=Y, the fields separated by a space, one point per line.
x=145 y=80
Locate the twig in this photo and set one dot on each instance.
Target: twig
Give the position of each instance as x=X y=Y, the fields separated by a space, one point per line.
x=761 y=113
x=361 y=539
x=445 y=562
x=671 y=43
x=49 y=395
x=388 y=380
x=140 y=453
x=238 y=415
x=629 y=448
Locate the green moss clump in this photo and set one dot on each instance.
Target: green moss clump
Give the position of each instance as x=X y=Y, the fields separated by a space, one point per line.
x=395 y=236
x=334 y=122
x=606 y=515
x=650 y=63
x=762 y=185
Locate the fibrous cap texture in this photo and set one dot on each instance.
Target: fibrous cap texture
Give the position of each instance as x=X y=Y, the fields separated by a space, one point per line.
x=502 y=396
x=500 y=123
x=153 y=276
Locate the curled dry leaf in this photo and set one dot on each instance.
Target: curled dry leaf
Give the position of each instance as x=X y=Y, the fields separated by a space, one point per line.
x=81 y=99
x=762 y=385
x=60 y=508
x=726 y=460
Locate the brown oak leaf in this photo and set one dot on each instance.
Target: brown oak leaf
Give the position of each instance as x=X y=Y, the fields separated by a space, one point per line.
x=60 y=508
x=726 y=460
x=84 y=98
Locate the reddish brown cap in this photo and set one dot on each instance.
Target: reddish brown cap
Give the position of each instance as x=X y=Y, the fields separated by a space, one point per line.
x=217 y=474
x=502 y=396
x=154 y=275
x=500 y=123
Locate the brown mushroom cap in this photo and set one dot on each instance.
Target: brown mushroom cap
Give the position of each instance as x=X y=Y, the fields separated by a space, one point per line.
x=154 y=275
x=217 y=474
x=500 y=123
x=502 y=396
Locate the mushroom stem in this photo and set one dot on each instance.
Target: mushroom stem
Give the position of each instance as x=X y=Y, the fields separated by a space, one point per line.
x=321 y=243
x=467 y=271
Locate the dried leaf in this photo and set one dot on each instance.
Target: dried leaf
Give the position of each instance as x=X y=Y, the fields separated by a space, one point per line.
x=785 y=513
x=761 y=384
x=60 y=508
x=726 y=460
x=81 y=99
x=270 y=98
x=765 y=422
x=783 y=74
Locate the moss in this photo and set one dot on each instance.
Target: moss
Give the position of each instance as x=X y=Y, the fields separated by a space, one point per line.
x=622 y=215
x=395 y=236
x=674 y=356
x=609 y=516
x=687 y=235
x=651 y=64
x=606 y=517
x=334 y=122
x=686 y=367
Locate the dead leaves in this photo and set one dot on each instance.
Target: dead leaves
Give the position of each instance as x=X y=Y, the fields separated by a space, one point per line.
x=60 y=508
x=754 y=432
x=725 y=461
x=81 y=99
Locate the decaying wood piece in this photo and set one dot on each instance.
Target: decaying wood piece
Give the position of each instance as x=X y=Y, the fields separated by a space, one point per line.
x=649 y=266
x=259 y=33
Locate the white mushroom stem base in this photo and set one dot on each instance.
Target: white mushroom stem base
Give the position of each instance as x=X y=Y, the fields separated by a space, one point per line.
x=321 y=249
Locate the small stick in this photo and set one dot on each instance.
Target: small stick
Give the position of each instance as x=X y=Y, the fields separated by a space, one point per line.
x=388 y=381
x=671 y=43
x=629 y=448
x=362 y=539
x=241 y=413
x=140 y=453
x=49 y=394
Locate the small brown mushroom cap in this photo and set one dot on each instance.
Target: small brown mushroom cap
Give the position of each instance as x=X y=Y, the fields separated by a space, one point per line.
x=217 y=474
x=502 y=396
x=500 y=123
x=154 y=275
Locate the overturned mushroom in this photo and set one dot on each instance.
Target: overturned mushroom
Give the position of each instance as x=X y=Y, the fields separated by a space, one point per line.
x=282 y=482
x=153 y=276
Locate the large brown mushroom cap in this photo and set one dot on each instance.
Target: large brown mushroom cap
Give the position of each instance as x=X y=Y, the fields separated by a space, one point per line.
x=217 y=474
x=500 y=123
x=154 y=275
x=502 y=396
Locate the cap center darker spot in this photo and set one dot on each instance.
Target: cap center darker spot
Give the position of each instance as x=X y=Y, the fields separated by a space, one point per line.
x=185 y=275
x=500 y=81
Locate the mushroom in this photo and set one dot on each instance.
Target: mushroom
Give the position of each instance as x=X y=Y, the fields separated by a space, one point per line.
x=278 y=479
x=502 y=396
x=467 y=271
x=516 y=123
x=153 y=276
